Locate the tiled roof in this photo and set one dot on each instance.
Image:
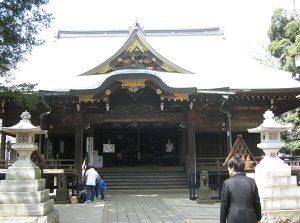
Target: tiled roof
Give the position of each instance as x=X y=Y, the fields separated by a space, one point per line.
x=213 y=61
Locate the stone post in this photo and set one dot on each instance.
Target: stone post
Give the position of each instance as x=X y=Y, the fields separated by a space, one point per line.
x=23 y=197
x=278 y=190
x=204 y=192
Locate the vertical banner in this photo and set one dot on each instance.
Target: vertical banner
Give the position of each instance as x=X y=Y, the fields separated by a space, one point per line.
x=90 y=149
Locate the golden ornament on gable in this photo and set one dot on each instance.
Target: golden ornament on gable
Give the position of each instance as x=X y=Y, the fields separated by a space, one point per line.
x=86 y=97
x=133 y=82
x=181 y=96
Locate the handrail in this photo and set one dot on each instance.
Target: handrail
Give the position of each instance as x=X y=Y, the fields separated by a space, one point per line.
x=51 y=163
x=216 y=163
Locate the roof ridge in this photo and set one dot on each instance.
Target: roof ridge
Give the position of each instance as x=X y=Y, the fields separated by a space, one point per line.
x=205 y=31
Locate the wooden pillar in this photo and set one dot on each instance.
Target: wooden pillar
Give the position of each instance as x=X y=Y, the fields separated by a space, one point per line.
x=78 y=148
x=184 y=150
x=191 y=148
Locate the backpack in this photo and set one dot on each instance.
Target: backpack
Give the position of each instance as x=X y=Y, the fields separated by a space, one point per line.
x=81 y=196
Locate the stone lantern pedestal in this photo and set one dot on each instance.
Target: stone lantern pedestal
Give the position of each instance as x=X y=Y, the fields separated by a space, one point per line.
x=23 y=197
x=278 y=190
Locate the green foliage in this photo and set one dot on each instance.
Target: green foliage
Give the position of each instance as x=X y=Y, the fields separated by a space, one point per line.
x=22 y=94
x=284 y=34
x=293 y=30
x=291 y=138
x=278 y=24
x=20 y=23
x=279 y=48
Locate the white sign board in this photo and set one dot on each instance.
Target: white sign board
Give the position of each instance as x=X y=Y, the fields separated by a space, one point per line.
x=108 y=148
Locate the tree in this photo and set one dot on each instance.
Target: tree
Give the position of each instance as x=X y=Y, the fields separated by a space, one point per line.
x=263 y=56
x=292 y=139
x=284 y=35
x=20 y=24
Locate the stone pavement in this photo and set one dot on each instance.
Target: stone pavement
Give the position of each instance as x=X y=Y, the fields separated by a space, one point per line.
x=131 y=206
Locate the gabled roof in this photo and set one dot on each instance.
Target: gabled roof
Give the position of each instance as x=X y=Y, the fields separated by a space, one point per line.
x=241 y=150
x=200 y=58
x=136 y=53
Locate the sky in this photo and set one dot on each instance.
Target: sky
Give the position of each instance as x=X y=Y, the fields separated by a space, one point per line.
x=245 y=22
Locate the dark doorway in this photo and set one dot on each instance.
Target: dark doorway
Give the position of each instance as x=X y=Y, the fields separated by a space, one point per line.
x=150 y=145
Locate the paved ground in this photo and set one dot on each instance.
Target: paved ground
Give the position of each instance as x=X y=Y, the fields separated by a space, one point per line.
x=140 y=207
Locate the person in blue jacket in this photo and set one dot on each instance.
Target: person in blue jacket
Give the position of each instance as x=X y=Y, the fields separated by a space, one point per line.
x=102 y=187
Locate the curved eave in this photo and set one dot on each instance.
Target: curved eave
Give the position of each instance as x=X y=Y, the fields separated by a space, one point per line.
x=105 y=67
x=149 y=76
x=266 y=90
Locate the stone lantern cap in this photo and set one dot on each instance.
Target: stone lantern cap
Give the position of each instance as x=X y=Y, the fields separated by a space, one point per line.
x=24 y=126
x=270 y=124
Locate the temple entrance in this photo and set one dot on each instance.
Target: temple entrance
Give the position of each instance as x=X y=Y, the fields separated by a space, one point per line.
x=134 y=147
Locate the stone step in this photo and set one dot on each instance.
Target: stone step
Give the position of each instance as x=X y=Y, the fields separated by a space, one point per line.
x=276 y=192
x=289 y=203
x=145 y=177
x=24 y=197
x=51 y=217
x=145 y=174
x=17 y=210
x=142 y=169
x=147 y=183
x=280 y=181
x=23 y=173
x=147 y=187
x=22 y=185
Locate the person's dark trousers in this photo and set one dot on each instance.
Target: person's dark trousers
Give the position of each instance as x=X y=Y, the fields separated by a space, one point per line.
x=102 y=194
x=90 y=192
x=96 y=191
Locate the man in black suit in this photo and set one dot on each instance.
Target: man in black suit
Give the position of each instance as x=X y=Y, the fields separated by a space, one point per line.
x=240 y=202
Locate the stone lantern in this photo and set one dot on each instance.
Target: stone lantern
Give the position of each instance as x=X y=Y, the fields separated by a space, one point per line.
x=23 y=197
x=25 y=140
x=278 y=190
x=270 y=138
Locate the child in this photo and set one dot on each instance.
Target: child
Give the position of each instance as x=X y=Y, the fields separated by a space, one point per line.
x=102 y=187
x=96 y=187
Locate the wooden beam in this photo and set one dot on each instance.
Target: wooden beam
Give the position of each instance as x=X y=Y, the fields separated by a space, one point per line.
x=159 y=117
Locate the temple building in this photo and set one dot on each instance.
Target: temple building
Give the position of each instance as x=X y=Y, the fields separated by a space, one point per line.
x=178 y=95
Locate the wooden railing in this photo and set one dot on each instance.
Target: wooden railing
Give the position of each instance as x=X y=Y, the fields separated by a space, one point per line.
x=68 y=165
x=216 y=164
x=210 y=163
x=61 y=164
x=201 y=163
